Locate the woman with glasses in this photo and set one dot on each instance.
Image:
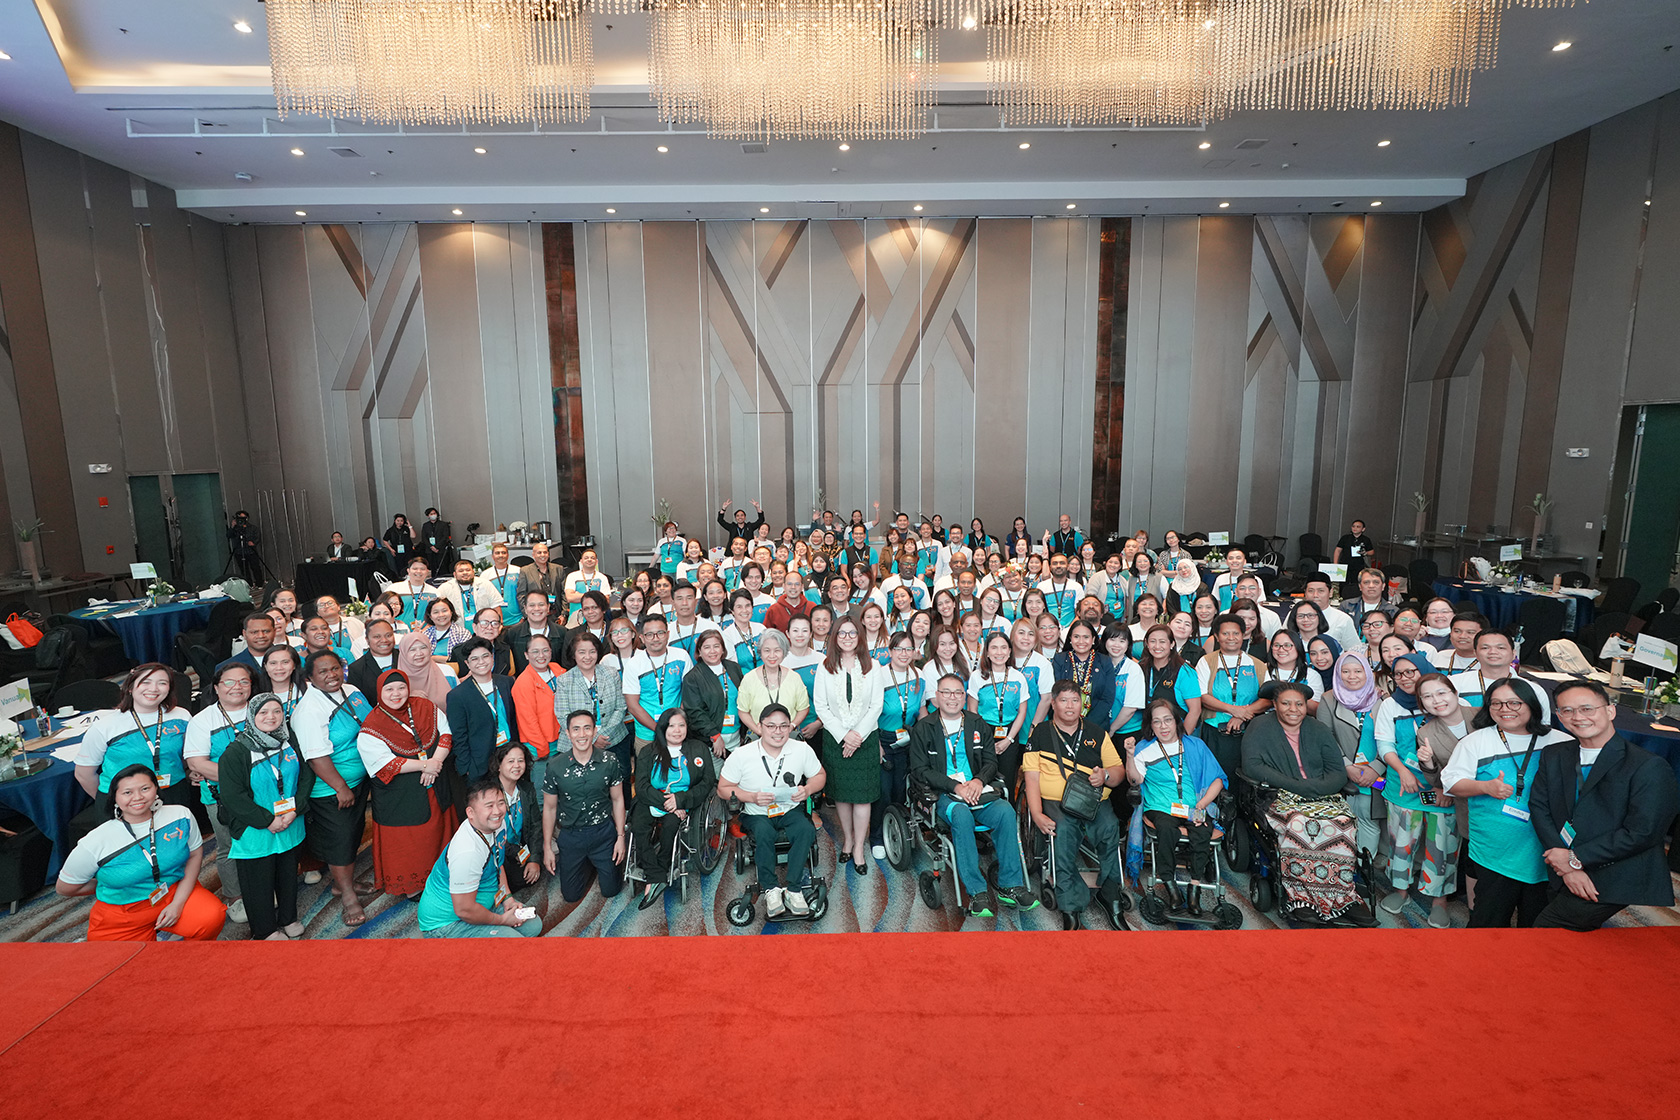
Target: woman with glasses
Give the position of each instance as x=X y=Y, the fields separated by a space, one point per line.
x=594 y=684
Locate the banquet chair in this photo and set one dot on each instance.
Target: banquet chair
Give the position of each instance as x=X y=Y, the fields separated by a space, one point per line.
x=1619 y=594
x=89 y=695
x=1312 y=548
x=1421 y=575
x=1575 y=578
x=1539 y=620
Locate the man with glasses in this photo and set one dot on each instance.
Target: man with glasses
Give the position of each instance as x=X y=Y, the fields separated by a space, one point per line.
x=772 y=777
x=951 y=754
x=653 y=678
x=1602 y=808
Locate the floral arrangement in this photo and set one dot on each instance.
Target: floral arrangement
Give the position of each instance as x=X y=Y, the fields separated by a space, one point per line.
x=661 y=514
x=10 y=745
x=517 y=526
x=1502 y=572
x=1668 y=693
x=1420 y=501
x=159 y=589
x=1541 y=504
x=356 y=608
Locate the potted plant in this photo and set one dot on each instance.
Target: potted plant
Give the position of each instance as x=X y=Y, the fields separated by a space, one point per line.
x=29 y=553
x=1540 y=505
x=12 y=756
x=1420 y=504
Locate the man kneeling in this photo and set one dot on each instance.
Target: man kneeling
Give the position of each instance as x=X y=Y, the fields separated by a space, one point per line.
x=772 y=778
x=467 y=888
x=951 y=753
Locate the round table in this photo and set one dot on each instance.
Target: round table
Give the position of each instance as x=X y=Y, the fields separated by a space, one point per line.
x=1501 y=608
x=149 y=635
x=50 y=799
x=1636 y=728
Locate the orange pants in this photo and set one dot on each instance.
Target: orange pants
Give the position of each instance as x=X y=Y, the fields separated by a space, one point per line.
x=201 y=919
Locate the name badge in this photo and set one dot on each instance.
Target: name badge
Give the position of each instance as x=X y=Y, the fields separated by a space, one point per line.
x=1000 y=732
x=1516 y=811
x=901 y=738
x=502 y=739
x=1568 y=834
x=163 y=781
x=1179 y=809
x=157 y=894
x=524 y=852
x=285 y=805
x=729 y=721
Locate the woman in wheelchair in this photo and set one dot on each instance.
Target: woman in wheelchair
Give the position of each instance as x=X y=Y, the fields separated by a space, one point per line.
x=674 y=777
x=1315 y=828
x=1179 y=778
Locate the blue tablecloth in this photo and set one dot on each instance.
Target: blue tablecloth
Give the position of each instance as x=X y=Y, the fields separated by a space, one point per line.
x=1501 y=607
x=50 y=800
x=150 y=635
x=1637 y=729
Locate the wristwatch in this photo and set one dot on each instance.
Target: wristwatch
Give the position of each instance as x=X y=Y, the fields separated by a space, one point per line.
x=1574 y=864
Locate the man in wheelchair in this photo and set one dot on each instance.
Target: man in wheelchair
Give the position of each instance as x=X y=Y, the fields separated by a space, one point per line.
x=1062 y=752
x=771 y=778
x=951 y=755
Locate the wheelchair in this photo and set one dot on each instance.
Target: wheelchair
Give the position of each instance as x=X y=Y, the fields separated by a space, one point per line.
x=1156 y=911
x=742 y=907
x=1037 y=851
x=905 y=829
x=1250 y=845
x=696 y=849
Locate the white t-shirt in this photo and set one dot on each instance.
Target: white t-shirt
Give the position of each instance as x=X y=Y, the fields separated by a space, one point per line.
x=112 y=724
x=196 y=743
x=82 y=865
x=749 y=767
x=1472 y=686
x=467 y=855
x=1451 y=661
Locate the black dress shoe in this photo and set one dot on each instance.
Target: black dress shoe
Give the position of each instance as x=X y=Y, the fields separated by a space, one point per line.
x=862 y=868
x=1071 y=922
x=651 y=895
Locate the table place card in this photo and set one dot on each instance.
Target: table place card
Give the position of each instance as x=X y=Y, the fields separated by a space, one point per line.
x=1219 y=539
x=142 y=571
x=1336 y=572
x=1508 y=552
x=15 y=698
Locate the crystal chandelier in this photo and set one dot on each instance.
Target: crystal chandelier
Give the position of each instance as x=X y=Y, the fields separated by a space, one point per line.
x=432 y=61
x=795 y=69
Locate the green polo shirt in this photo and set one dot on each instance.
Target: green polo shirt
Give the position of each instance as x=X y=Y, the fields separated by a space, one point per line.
x=584 y=788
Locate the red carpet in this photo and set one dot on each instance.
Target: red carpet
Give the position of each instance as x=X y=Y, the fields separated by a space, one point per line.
x=1262 y=1024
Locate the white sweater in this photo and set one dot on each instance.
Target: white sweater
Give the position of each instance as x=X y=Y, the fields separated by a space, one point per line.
x=839 y=716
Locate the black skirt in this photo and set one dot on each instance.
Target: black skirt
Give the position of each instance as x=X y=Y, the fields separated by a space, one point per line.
x=334 y=834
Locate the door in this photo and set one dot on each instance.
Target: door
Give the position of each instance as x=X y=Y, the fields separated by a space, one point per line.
x=180 y=527
x=1649 y=536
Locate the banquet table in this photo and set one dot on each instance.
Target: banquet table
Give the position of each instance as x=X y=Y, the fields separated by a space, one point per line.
x=50 y=799
x=1501 y=607
x=314 y=578
x=148 y=634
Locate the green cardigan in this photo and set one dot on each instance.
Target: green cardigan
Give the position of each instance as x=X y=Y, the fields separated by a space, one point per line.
x=1267 y=757
x=236 y=808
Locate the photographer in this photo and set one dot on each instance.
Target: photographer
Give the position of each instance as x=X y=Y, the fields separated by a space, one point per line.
x=243 y=541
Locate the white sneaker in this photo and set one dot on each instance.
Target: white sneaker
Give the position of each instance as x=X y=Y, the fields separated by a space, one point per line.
x=310 y=878
x=797 y=904
x=774 y=902
x=879 y=851
x=236 y=911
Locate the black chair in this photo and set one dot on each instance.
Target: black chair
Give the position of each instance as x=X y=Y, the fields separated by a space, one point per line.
x=521 y=561
x=1255 y=545
x=1619 y=595
x=203 y=663
x=103 y=651
x=1540 y=620
x=1575 y=578
x=227 y=620
x=1668 y=597
x=89 y=695
x=1312 y=548
x=1593 y=635
x=58 y=661
x=23 y=861
x=1421 y=575
x=1665 y=627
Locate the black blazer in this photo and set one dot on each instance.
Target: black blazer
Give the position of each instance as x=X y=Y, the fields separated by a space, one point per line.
x=518 y=636
x=927 y=752
x=364 y=674
x=472 y=723
x=1621 y=819
x=702 y=775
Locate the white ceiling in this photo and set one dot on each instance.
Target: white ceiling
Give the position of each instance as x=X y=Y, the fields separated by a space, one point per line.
x=128 y=81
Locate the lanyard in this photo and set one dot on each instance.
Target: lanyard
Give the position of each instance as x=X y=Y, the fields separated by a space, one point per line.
x=1522 y=771
x=1233 y=673
x=274 y=760
x=1061 y=593
x=781 y=675
x=659 y=675
x=157 y=747
x=781 y=761
x=953 y=740
x=1177 y=771
x=903 y=691
x=489 y=843
x=227 y=720
x=148 y=848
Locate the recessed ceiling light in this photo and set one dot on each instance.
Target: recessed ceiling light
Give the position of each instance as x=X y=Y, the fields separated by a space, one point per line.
x=1384 y=143
x=478 y=151
x=1071 y=205
x=297 y=151
x=456 y=211
x=1205 y=145
x=1224 y=205
x=969 y=23
x=1563 y=46
x=662 y=149
x=1378 y=202
x=845 y=147
x=301 y=213
x=1023 y=145
x=242 y=27
x=764 y=209
x=610 y=210
x=917 y=207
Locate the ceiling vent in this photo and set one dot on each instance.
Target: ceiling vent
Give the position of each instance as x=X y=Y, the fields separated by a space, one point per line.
x=754 y=148
x=347 y=153
x=1251 y=145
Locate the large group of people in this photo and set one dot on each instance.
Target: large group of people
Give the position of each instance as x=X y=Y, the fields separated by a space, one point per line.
x=521 y=720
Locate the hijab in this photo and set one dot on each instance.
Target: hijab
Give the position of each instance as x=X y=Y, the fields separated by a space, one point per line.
x=428 y=682
x=1185 y=582
x=407 y=730
x=1409 y=700
x=1361 y=699
x=264 y=742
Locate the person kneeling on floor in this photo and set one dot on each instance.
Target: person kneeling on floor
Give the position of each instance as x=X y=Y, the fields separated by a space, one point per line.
x=1065 y=750
x=466 y=893
x=771 y=778
x=951 y=753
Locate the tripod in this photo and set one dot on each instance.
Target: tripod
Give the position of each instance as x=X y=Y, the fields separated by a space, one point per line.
x=247 y=567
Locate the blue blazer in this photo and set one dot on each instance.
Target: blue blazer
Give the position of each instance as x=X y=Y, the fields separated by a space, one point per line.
x=1103 y=673
x=472 y=725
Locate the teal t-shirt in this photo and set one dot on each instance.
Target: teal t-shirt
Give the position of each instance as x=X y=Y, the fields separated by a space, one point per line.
x=468 y=863
x=273 y=777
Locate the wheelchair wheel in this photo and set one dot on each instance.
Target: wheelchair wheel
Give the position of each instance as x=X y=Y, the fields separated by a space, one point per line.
x=1239 y=847
x=1154 y=911
x=895 y=837
x=928 y=883
x=712 y=841
x=1047 y=895
x=740 y=913
x=819 y=908
x=1260 y=893
x=1226 y=916
x=741 y=854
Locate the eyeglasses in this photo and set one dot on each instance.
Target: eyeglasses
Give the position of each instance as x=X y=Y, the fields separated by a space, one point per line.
x=1584 y=710
x=948 y=692
x=1506 y=705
